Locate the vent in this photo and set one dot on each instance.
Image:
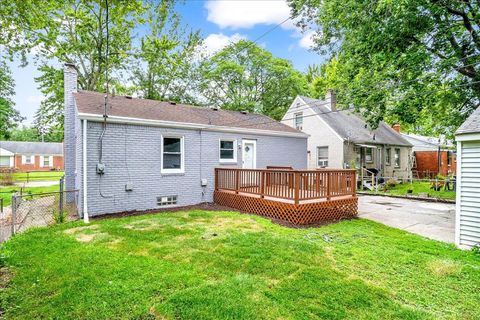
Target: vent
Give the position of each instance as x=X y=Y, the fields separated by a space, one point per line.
x=214 y=108
x=128 y=97
x=167 y=200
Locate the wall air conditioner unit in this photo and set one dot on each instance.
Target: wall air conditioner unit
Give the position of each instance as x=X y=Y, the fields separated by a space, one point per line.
x=323 y=163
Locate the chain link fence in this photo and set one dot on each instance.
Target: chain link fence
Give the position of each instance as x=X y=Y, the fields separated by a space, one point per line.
x=29 y=210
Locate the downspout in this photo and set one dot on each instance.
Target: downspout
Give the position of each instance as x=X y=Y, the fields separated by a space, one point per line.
x=85 y=205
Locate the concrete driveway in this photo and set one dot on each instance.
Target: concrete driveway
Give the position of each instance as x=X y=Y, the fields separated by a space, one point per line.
x=429 y=219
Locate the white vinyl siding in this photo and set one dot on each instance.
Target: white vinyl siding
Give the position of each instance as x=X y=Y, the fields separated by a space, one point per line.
x=469 y=185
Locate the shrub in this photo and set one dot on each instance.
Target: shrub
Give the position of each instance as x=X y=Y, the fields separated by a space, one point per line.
x=6 y=177
x=391 y=182
x=476 y=249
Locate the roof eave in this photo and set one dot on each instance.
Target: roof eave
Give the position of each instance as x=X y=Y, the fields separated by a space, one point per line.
x=187 y=125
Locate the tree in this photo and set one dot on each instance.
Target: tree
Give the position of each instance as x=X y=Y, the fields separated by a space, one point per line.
x=168 y=58
x=71 y=31
x=243 y=76
x=401 y=60
x=9 y=117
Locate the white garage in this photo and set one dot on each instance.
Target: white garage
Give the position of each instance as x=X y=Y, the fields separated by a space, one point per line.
x=467 y=224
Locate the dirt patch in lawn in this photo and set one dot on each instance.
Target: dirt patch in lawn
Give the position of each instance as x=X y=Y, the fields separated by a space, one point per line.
x=143 y=225
x=86 y=234
x=444 y=267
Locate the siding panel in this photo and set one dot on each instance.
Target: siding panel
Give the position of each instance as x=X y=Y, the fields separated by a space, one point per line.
x=469 y=220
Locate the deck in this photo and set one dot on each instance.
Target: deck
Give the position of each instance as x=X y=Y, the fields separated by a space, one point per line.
x=299 y=197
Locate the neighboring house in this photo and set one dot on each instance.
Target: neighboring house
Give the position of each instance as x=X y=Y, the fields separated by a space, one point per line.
x=157 y=154
x=342 y=139
x=467 y=223
x=31 y=156
x=432 y=156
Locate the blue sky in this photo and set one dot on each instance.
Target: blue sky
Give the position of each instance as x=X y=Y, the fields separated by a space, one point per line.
x=220 y=22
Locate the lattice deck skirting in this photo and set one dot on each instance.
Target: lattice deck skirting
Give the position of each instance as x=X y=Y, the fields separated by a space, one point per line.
x=302 y=214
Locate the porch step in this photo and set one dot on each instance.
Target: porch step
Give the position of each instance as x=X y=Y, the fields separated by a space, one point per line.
x=367 y=185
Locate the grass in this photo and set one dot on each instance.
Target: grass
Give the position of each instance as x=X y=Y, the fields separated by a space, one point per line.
x=7 y=192
x=37 y=176
x=419 y=187
x=225 y=265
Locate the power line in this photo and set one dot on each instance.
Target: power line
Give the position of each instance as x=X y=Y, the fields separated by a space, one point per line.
x=335 y=111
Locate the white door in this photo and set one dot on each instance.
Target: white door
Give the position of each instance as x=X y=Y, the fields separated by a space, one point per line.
x=249 y=154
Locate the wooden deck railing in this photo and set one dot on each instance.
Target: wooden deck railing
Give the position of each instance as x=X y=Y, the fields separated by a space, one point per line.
x=296 y=185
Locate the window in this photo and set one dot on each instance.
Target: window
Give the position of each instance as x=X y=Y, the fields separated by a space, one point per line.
x=299 y=121
x=449 y=158
x=387 y=156
x=29 y=160
x=397 y=157
x=4 y=161
x=369 y=155
x=172 y=155
x=228 y=150
x=46 y=161
x=167 y=201
x=322 y=157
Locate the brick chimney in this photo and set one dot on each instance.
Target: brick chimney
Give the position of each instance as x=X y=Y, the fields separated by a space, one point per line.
x=331 y=100
x=396 y=127
x=70 y=87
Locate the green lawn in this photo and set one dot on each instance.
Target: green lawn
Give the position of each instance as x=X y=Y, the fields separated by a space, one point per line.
x=6 y=192
x=419 y=187
x=225 y=265
x=38 y=176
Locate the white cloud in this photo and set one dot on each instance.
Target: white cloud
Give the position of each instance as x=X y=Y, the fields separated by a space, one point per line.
x=217 y=41
x=247 y=14
x=307 y=40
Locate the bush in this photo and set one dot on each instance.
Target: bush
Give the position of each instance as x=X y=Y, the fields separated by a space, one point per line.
x=391 y=182
x=6 y=177
x=476 y=249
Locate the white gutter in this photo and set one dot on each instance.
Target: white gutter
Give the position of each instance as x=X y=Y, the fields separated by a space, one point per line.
x=187 y=125
x=84 y=172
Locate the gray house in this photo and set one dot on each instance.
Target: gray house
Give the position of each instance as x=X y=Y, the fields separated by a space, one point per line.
x=467 y=222
x=342 y=139
x=126 y=154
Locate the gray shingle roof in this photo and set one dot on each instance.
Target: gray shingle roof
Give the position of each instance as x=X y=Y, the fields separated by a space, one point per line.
x=471 y=125
x=424 y=143
x=90 y=102
x=350 y=126
x=40 y=148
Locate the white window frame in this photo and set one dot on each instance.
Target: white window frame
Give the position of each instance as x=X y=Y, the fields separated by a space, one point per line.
x=371 y=155
x=42 y=161
x=182 y=154
x=399 y=157
x=31 y=158
x=388 y=156
x=234 y=160
x=298 y=116
x=318 y=154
